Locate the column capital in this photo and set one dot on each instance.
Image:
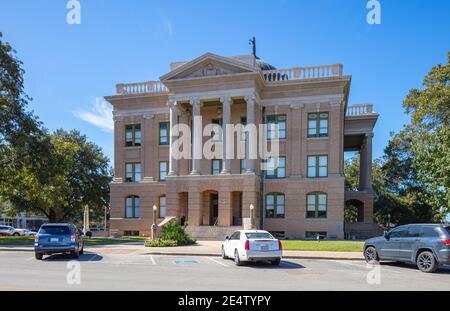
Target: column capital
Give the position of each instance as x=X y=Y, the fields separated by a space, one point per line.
x=250 y=98
x=226 y=99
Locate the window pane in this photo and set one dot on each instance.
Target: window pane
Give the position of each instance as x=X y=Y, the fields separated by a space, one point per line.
x=312 y=161
x=270 y=200
x=311 y=199
x=280 y=210
x=322 y=207
x=280 y=199
x=323 y=172
x=129 y=212
x=312 y=124
x=281 y=173
x=323 y=123
x=323 y=161
x=162 y=207
x=322 y=199
x=312 y=116
x=137 y=212
x=311 y=171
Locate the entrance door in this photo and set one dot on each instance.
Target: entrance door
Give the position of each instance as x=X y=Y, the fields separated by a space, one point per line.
x=214 y=209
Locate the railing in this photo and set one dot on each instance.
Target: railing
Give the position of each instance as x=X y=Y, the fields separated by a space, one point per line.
x=141 y=87
x=303 y=73
x=359 y=110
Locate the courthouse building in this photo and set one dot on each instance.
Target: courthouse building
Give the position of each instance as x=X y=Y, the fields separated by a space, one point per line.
x=302 y=197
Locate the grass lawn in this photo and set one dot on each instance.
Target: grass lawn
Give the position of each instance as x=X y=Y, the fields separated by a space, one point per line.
x=29 y=241
x=323 y=246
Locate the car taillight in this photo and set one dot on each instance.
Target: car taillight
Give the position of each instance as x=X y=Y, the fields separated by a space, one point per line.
x=446 y=242
x=247 y=245
x=280 y=246
x=72 y=238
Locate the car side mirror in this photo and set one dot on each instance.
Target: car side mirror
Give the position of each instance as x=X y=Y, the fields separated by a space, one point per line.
x=227 y=237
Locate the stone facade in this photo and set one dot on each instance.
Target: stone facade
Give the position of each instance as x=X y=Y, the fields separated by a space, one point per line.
x=230 y=89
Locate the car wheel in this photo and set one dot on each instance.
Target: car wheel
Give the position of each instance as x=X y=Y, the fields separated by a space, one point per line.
x=223 y=253
x=237 y=260
x=276 y=262
x=426 y=262
x=38 y=256
x=371 y=255
x=16 y=234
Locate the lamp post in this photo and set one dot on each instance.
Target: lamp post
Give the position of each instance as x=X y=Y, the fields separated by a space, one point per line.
x=154 y=222
x=251 y=215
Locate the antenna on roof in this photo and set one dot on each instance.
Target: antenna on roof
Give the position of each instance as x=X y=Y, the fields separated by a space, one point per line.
x=252 y=42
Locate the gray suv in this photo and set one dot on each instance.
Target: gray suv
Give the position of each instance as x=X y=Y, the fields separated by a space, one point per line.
x=426 y=245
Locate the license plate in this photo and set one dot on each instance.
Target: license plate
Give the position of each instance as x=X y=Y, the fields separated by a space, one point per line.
x=264 y=248
x=54 y=240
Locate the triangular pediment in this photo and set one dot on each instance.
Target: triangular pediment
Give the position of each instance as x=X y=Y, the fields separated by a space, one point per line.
x=208 y=65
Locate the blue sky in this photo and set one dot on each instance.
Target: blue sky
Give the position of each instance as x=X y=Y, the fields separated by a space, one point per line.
x=68 y=67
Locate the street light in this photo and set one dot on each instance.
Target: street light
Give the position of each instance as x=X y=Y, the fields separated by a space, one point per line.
x=155 y=208
x=251 y=215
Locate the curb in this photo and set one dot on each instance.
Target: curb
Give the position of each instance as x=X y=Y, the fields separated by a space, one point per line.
x=7 y=249
x=285 y=257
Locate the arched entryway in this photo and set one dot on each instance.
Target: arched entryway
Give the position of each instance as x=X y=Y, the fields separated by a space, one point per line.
x=354 y=211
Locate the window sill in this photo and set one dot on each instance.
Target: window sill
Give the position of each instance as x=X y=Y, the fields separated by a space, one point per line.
x=317 y=137
x=316 y=218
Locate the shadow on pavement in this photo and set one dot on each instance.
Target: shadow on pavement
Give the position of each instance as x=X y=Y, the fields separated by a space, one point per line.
x=400 y=265
x=82 y=258
x=284 y=264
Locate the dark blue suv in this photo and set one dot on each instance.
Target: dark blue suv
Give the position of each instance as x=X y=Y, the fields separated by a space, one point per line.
x=58 y=239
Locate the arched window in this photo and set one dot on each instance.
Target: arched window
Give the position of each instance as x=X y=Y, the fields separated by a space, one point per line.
x=162 y=206
x=316 y=205
x=275 y=205
x=132 y=207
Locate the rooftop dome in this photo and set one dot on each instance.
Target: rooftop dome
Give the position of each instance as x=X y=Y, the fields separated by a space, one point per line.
x=263 y=65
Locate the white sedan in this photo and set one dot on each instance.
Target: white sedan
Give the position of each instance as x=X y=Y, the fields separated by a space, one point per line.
x=252 y=245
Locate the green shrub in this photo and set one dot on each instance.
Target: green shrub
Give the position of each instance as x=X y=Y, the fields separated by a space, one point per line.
x=174 y=231
x=161 y=243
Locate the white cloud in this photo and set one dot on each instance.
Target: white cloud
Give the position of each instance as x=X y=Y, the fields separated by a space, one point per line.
x=100 y=115
x=169 y=26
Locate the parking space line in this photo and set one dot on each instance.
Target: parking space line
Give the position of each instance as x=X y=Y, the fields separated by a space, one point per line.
x=152 y=260
x=218 y=262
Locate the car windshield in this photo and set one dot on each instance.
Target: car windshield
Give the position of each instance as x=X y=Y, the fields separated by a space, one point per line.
x=258 y=235
x=448 y=230
x=54 y=230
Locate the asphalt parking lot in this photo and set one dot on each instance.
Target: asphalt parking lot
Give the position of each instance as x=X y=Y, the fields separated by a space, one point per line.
x=20 y=271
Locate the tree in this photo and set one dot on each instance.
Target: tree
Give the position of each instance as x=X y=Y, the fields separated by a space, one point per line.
x=429 y=131
x=73 y=174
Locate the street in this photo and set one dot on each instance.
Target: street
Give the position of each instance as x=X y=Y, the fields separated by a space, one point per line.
x=130 y=272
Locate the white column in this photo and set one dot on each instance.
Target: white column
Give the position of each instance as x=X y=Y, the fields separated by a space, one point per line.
x=173 y=163
x=365 y=165
x=251 y=119
x=226 y=119
x=197 y=150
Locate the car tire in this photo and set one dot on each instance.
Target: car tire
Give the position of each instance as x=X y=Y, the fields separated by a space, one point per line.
x=276 y=262
x=223 y=253
x=426 y=262
x=16 y=234
x=237 y=260
x=371 y=255
x=38 y=256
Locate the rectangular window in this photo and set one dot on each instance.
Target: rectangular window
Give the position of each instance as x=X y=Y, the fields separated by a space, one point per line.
x=274 y=120
x=275 y=205
x=216 y=133
x=316 y=235
x=318 y=124
x=317 y=166
x=316 y=205
x=133 y=172
x=216 y=167
x=164 y=133
x=163 y=170
x=132 y=207
x=132 y=135
x=276 y=167
x=162 y=207
x=242 y=165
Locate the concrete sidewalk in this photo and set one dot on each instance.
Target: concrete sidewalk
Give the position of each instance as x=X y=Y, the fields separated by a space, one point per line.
x=202 y=248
